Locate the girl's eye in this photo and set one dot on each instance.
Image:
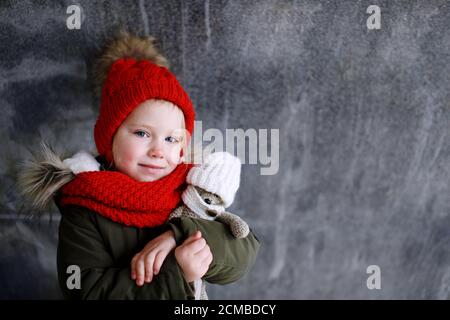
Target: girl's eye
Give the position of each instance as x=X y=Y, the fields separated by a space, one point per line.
x=172 y=140
x=208 y=200
x=141 y=133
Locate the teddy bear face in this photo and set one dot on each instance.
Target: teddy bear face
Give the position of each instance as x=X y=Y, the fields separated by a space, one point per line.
x=210 y=199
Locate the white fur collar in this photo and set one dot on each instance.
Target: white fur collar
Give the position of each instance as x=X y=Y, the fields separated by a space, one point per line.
x=82 y=161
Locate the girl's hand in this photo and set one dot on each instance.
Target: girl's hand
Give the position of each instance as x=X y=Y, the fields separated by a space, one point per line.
x=148 y=262
x=194 y=257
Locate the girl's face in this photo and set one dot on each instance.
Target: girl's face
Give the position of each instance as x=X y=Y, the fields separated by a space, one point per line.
x=147 y=146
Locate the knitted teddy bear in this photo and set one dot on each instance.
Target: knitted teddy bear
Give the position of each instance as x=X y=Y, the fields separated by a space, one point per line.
x=211 y=188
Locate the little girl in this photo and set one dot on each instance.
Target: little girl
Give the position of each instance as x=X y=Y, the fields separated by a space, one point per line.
x=114 y=226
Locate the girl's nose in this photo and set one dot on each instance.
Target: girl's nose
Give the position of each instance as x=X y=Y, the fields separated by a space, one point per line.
x=156 y=153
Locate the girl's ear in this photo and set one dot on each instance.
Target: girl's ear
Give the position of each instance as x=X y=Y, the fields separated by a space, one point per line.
x=181 y=156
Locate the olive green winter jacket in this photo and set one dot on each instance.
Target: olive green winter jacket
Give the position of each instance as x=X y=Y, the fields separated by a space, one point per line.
x=103 y=250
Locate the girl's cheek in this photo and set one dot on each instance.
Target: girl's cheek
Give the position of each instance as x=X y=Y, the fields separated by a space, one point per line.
x=124 y=153
x=173 y=157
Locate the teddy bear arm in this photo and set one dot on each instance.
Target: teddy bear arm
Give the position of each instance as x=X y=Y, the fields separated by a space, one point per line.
x=178 y=212
x=239 y=228
x=183 y=211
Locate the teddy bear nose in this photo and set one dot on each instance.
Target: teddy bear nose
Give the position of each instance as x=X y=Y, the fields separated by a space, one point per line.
x=211 y=213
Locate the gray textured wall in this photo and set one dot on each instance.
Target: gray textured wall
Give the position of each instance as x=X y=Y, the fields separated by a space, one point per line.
x=364 y=132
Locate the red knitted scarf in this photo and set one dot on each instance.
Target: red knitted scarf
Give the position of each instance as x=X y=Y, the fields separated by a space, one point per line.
x=122 y=199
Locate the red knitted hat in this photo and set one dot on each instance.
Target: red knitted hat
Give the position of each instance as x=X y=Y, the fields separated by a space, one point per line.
x=129 y=82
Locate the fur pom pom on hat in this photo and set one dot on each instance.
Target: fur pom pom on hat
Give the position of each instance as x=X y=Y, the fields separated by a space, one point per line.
x=219 y=174
x=130 y=71
x=126 y=46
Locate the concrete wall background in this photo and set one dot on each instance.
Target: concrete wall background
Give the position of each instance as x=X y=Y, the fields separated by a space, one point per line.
x=363 y=118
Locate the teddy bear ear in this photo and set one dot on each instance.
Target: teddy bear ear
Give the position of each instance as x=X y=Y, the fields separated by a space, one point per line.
x=125 y=45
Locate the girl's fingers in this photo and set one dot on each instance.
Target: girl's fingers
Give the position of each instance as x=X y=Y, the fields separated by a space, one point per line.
x=205 y=263
x=133 y=267
x=209 y=259
x=197 y=245
x=159 y=259
x=140 y=271
x=203 y=253
x=149 y=261
x=195 y=236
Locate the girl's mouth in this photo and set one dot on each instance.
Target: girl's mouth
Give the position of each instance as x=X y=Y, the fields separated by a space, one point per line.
x=150 y=169
x=151 y=166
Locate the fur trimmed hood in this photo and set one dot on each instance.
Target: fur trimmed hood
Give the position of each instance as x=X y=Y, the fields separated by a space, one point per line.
x=41 y=177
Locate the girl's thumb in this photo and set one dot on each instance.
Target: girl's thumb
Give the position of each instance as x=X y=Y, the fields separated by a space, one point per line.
x=195 y=236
